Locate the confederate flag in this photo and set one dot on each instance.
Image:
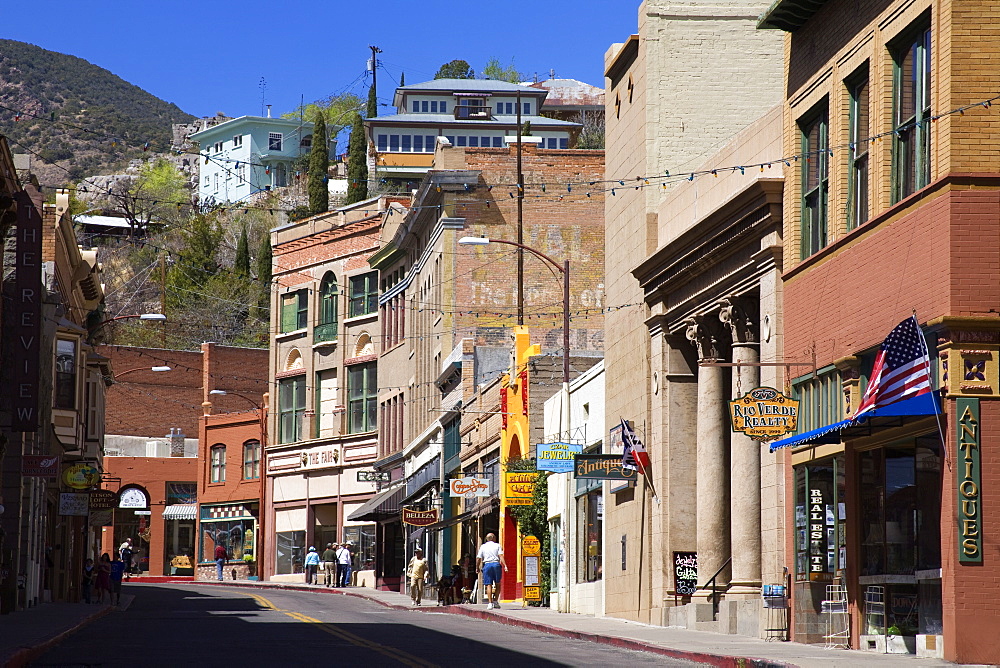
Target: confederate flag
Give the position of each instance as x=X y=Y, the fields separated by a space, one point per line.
x=634 y=455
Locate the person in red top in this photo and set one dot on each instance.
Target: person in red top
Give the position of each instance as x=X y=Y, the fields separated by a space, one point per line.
x=220 y=559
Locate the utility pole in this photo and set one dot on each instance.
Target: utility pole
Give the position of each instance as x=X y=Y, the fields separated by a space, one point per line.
x=163 y=297
x=375 y=51
x=520 y=219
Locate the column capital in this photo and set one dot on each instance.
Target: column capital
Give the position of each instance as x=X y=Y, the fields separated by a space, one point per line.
x=735 y=313
x=705 y=332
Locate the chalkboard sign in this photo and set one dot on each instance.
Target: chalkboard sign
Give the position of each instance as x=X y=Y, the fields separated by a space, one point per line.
x=685 y=573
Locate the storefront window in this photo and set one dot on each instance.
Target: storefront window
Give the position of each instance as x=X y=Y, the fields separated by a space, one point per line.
x=820 y=521
x=290 y=552
x=590 y=517
x=237 y=536
x=363 y=538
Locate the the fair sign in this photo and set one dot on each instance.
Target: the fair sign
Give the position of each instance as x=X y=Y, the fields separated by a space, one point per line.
x=764 y=414
x=469 y=486
x=320 y=458
x=556 y=457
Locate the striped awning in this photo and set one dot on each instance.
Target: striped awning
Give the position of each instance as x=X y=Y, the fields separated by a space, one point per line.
x=181 y=511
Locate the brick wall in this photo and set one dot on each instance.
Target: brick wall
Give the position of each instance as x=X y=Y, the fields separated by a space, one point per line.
x=231 y=430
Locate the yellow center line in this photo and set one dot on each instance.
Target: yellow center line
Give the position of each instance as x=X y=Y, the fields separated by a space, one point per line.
x=391 y=652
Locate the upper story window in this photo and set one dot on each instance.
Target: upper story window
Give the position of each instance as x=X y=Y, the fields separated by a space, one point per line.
x=472 y=107
x=217 y=463
x=822 y=399
x=218 y=147
x=857 y=213
x=251 y=460
x=274 y=141
x=237 y=141
x=65 y=390
x=362 y=397
x=815 y=180
x=326 y=327
x=306 y=142
x=911 y=114
x=294 y=311
x=364 y=294
x=291 y=406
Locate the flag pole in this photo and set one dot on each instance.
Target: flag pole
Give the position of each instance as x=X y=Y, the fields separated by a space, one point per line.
x=645 y=472
x=937 y=412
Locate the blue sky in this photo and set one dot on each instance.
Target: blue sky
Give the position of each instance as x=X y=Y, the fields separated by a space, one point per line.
x=210 y=56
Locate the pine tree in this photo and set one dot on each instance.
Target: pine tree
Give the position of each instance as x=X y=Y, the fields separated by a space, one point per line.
x=402 y=79
x=319 y=161
x=241 y=264
x=264 y=275
x=372 y=110
x=357 y=163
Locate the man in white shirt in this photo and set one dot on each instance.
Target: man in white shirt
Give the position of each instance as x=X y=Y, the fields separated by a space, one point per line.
x=489 y=561
x=343 y=565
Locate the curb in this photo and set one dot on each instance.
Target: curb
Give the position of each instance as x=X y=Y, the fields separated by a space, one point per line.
x=25 y=655
x=718 y=660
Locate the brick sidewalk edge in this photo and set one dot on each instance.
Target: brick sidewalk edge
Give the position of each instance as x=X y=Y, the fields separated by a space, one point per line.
x=718 y=660
x=25 y=655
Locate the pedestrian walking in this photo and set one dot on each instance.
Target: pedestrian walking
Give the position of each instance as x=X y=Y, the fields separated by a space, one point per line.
x=489 y=561
x=312 y=563
x=416 y=571
x=344 y=565
x=127 y=553
x=221 y=555
x=115 y=579
x=87 y=581
x=330 y=565
x=103 y=578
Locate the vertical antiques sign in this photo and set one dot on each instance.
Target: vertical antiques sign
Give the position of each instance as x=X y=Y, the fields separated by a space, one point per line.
x=26 y=316
x=970 y=511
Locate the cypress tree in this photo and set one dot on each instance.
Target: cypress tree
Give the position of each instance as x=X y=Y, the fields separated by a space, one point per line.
x=402 y=79
x=357 y=163
x=241 y=265
x=372 y=103
x=264 y=276
x=319 y=161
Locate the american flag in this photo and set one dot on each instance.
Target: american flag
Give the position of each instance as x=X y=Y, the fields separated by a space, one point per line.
x=634 y=455
x=902 y=368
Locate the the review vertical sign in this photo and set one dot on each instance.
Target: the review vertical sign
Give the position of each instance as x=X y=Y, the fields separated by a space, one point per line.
x=25 y=316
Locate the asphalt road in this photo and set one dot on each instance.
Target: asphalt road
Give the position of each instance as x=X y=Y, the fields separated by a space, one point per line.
x=188 y=625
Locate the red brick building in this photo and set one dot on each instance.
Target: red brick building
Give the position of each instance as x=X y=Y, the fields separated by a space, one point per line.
x=153 y=425
x=892 y=198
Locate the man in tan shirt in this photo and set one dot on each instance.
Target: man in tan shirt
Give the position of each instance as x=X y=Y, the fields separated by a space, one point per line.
x=417 y=571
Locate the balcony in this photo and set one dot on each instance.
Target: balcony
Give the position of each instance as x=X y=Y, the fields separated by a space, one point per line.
x=472 y=111
x=325 y=333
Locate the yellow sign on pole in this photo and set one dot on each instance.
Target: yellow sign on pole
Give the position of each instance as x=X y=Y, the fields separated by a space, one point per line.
x=531 y=546
x=532 y=593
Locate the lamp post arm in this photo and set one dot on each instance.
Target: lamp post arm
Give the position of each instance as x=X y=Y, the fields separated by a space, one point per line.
x=533 y=251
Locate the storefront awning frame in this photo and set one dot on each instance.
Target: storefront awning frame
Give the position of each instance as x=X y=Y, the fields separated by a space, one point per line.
x=893 y=415
x=181 y=511
x=384 y=505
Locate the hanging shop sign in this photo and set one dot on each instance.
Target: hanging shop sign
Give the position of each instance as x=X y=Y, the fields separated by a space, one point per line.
x=685 y=573
x=373 y=476
x=970 y=511
x=519 y=487
x=81 y=476
x=73 y=503
x=469 y=486
x=764 y=414
x=531 y=546
x=601 y=467
x=419 y=518
x=556 y=457
x=819 y=558
x=39 y=466
x=102 y=499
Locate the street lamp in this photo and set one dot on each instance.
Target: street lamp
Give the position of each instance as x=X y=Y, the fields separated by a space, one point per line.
x=158 y=369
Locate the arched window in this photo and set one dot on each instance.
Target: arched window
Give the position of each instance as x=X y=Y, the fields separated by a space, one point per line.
x=251 y=460
x=217 y=463
x=326 y=328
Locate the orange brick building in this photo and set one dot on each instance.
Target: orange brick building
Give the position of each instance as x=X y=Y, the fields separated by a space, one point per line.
x=891 y=205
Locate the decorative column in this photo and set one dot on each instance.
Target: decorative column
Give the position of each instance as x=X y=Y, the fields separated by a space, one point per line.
x=712 y=474
x=739 y=315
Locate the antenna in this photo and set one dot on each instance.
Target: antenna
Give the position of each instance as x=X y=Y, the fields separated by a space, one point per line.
x=262 y=84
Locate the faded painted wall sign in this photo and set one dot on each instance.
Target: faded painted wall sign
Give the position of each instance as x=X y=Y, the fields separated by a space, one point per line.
x=764 y=414
x=970 y=512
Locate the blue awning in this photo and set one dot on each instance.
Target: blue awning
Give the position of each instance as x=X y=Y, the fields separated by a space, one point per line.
x=924 y=404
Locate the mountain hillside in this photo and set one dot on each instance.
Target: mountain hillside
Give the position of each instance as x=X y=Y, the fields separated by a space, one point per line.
x=79 y=119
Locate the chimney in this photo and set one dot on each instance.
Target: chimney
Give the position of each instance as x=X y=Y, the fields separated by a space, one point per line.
x=176 y=437
x=269 y=111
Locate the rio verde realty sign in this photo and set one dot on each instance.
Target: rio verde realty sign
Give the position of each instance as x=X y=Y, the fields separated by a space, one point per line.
x=764 y=414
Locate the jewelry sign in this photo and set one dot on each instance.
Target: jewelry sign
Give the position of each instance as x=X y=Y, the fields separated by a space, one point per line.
x=764 y=414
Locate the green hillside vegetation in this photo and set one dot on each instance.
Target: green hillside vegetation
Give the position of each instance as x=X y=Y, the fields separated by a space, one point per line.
x=72 y=111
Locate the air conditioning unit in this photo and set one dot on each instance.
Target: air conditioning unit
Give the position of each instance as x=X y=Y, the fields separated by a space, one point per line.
x=157 y=449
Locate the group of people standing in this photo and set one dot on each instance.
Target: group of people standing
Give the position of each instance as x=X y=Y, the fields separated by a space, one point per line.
x=107 y=574
x=336 y=562
x=489 y=562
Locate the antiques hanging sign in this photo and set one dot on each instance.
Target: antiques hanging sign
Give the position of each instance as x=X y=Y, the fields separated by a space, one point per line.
x=764 y=414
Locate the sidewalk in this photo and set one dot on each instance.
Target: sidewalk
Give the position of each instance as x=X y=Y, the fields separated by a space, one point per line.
x=26 y=634
x=709 y=648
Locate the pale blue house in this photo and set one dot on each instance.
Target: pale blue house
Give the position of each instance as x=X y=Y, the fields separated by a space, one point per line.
x=247 y=155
